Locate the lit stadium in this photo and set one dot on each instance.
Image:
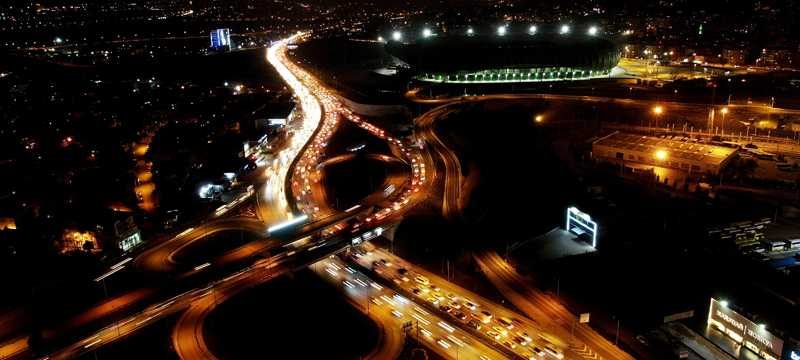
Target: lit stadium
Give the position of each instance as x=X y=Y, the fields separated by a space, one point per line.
x=505 y=57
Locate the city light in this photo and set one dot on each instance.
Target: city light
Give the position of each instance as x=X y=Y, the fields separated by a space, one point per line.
x=380 y=38
x=658 y=110
x=661 y=155
x=427 y=33
x=470 y=31
x=724 y=110
x=532 y=30
x=538 y=118
x=397 y=36
x=501 y=30
x=724 y=303
x=564 y=29
x=592 y=31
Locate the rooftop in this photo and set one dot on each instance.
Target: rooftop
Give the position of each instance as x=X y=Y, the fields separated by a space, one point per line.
x=674 y=146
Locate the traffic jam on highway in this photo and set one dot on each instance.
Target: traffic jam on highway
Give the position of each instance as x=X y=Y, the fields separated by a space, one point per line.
x=398 y=313
x=482 y=317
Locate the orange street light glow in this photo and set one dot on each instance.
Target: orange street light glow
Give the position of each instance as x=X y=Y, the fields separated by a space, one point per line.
x=658 y=110
x=661 y=155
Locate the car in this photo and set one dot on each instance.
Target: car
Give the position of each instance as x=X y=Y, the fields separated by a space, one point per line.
x=520 y=340
x=433 y=300
x=524 y=335
x=385 y=262
x=422 y=280
x=396 y=313
x=470 y=305
x=455 y=305
x=499 y=329
x=509 y=344
x=474 y=324
x=538 y=351
x=445 y=308
x=493 y=334
x=505 y=322
x=451 y=296
x=555 y=353
x=641 y=339
x=484 y=316
x=402 y=271
x=376 y=301
x=460 y=315
x=416 y=291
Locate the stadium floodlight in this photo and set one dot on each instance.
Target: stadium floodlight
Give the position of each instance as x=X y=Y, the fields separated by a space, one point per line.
x=501 y=30
x=397 y=36
x=564 y=29
x=532 y=30
x=592 y=31
x=426 y=33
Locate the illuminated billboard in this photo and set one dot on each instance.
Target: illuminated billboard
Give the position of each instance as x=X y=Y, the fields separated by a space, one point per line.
x=580 y=223
x=220 y=38
x=743 y=331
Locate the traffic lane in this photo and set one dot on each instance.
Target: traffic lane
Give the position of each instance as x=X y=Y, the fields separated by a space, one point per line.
x=431 y=330
x=520 y=335
x=537 y=305
x=159 y=258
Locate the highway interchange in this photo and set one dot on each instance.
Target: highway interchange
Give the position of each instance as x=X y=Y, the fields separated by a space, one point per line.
x=449 y=320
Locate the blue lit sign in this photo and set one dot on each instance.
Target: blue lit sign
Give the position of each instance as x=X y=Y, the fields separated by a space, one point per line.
x=220 y=38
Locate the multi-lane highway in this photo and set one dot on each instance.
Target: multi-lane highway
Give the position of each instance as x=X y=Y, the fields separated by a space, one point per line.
x=452 y=180
x=549 y=310
x=496 y=325
x=392 y=310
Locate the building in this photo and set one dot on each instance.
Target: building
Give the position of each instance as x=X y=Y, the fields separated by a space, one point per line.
x=221 y=39
x=742 y=337
x=776 y=57
x=737 y=57
x=506 y=59
x=686 y=154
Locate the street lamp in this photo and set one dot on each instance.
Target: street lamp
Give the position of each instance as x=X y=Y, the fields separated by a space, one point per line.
x=657 y=111
x=564 y=29
x=470 y=31
x=538 y=118
x=426 y=33
x=397 y=36
x=592 y=31
x=380 y=38
x=661 y=155
x=532 y=30
x=723 y=111
x=501 y=30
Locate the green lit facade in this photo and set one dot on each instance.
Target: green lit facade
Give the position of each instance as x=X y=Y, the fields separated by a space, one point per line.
x=508 y=59
x=511 y=75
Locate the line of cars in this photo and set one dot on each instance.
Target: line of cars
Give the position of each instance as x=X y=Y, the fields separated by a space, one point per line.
x=506 y=331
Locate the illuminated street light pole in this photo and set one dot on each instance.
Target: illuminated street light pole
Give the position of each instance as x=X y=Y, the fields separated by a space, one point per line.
x=723 y=111
x=658 y=110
